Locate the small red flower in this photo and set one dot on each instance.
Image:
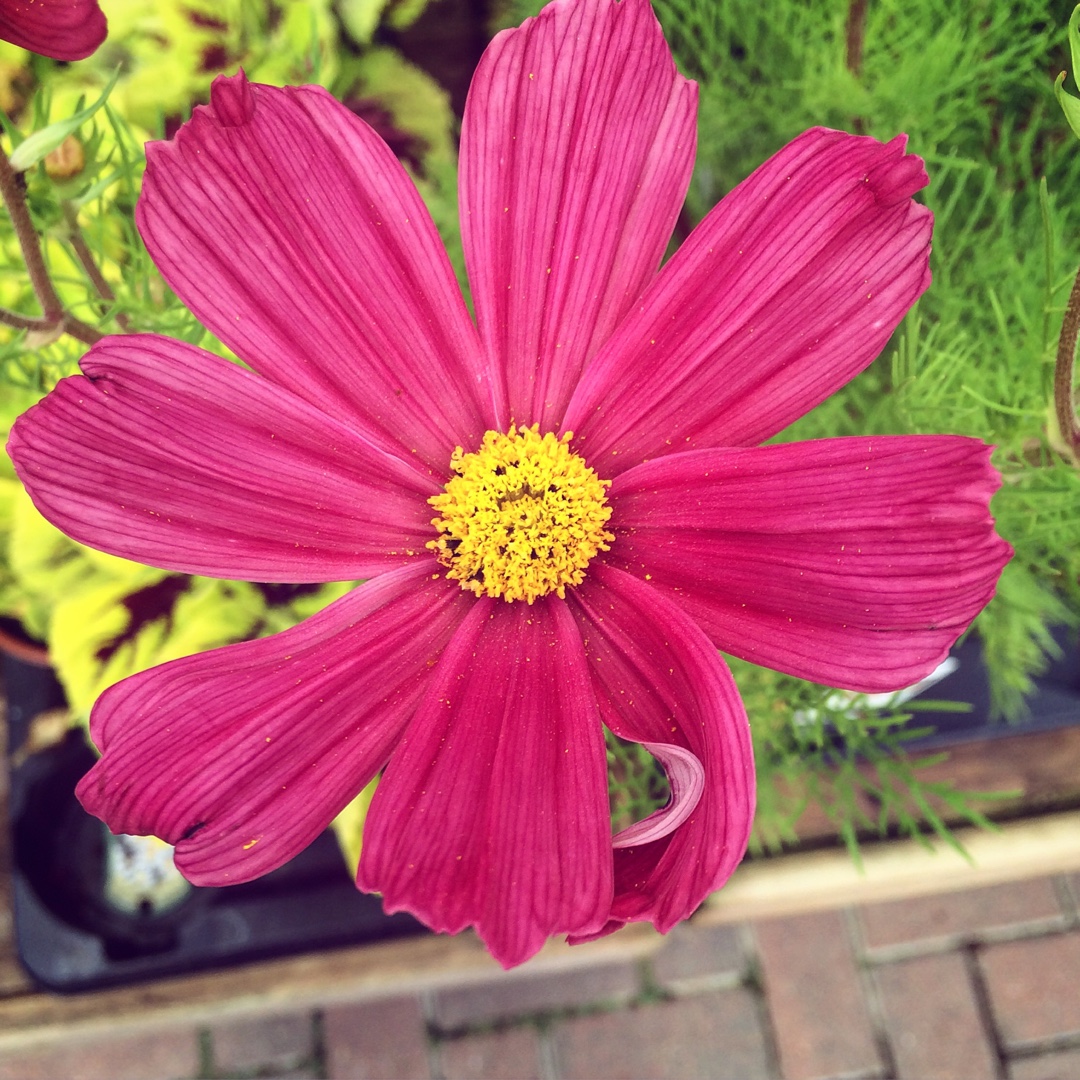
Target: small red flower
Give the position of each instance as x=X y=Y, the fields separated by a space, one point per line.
x=62 y=29
x=528 y=585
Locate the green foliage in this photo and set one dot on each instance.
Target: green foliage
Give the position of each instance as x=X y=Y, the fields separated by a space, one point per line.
x=848 y=754
x=169 y=51
x=34 y=148
x=636 y=787
x=964 y=78
x=968 y=84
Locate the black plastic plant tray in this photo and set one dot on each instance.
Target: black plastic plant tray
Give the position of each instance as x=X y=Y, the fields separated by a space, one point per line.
x=1054 y=703
x=70 y=938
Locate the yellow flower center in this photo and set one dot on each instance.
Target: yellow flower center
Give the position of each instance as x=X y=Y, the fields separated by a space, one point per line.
x=521 y=517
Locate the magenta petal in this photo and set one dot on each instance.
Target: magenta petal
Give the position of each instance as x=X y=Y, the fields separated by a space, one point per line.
x=788 y=289
x=62 y=29
x=661 y=681
x=290 y=229
x=241 y=756
x=576 y=153
x=852 y=562
x=493 y=811
x=168 y=455
x=686 y=776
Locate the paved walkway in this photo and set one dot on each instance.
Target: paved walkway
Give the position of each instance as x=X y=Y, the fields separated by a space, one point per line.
x=983 y=983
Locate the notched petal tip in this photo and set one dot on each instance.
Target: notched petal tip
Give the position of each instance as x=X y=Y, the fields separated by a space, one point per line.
x=293 y=233
x=897 y=175
x=231 y=101
x=891 y=173
x=823 y=237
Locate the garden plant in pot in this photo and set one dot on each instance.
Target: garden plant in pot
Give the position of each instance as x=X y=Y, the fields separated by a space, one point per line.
x=973 y=360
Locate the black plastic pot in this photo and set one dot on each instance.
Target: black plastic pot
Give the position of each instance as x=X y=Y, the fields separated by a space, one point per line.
x=1054 y=704
x=71 y=937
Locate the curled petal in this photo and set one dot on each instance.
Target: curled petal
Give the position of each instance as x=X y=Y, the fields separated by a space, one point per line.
x=661 y=682
x=291 y=230
x=254 y=748
x=852 y=562
x=493 y=811
x=788 y=289
x=168 y=455
x=686 y=776
x=62 y=29
x=576 y=153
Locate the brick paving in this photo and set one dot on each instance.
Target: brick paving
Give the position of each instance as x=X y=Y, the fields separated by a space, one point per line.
x=820 y=1018
x=172 y=1054
x=981 y=983
x=282 y=1042
x=930 y=1009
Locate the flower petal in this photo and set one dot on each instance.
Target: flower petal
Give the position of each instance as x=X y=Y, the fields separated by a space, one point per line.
x=62 y=29
x=242 y=756
x=493 y=811
x=576 y=153
x=686 y=777
x=169 y=455
x=661 y=681
x=788 y=288
x=290 y=229
x=852 y=562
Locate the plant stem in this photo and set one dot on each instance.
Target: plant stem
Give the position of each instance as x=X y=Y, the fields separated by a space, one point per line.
x=25 y=322
x=79 y=330
x=1063 y=370
x=53 y=313
x=855 y=36
x=86 y=260
x=12 y=193
x=855 y=33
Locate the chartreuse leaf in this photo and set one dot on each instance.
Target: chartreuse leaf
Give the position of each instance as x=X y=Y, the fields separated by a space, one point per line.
x=47 y=566
x=110 y=631
x=348 y=826
x=105 y=633
x=35 y=147
x=361 y=17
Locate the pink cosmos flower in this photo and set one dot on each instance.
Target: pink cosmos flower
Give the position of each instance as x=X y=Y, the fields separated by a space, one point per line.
x=62 y=29
x=527 y=587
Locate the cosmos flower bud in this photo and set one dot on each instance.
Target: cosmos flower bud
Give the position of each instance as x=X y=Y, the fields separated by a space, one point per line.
x=66 y=161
